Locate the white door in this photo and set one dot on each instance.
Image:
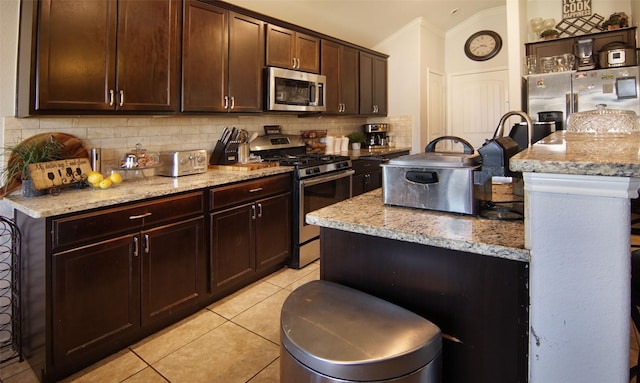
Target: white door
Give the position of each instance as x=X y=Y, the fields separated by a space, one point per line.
x=476 y=103
x=436 y=108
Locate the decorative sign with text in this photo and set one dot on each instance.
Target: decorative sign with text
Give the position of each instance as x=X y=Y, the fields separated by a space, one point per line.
x=576 y=8
x=46 y=175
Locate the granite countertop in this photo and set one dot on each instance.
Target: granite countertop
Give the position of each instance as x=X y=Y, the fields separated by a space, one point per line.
x=377 y=152
x=71 y=200
x=366 y=214
x=565 y=152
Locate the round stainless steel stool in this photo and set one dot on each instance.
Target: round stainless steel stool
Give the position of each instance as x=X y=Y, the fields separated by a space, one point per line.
x=332 y=333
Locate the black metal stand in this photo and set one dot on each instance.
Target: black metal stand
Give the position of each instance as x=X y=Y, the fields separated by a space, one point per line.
x=10 y=312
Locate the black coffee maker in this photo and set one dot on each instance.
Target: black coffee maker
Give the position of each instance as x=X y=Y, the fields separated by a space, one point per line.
x=376 y=135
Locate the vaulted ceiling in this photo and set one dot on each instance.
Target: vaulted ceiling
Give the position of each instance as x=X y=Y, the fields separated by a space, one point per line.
x=367 y=22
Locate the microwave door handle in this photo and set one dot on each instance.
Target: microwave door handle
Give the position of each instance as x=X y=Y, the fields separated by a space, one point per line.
x=312 y=93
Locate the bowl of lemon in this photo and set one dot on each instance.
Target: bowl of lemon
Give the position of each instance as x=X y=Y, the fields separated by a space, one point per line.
x=98 y=180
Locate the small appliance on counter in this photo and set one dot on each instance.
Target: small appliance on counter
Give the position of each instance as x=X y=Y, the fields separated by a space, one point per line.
x=454 y=182
x=182 y=162
x=616 y=54
x=584 y=54
x=376 y=135
x=432 y=180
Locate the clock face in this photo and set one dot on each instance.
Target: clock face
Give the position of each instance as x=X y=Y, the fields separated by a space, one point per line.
x=483 y=45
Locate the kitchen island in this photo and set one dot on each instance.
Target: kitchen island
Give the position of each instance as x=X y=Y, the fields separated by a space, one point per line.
x=573 y=249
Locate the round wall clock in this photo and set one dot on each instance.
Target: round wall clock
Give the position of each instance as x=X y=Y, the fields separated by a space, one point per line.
x=483 y=45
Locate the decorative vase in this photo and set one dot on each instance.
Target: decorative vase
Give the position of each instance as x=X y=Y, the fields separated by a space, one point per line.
x=29 y=191
x=355 y=145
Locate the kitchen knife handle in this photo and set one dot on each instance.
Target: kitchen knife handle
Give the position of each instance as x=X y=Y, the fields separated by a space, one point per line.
x=422 y=177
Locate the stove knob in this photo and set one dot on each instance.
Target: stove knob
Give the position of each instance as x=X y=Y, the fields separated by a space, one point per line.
x=200 y=158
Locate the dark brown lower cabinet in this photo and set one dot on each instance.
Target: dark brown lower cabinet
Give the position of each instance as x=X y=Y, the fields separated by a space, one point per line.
x=98 y=281
x=479 y=302
x=250 y=232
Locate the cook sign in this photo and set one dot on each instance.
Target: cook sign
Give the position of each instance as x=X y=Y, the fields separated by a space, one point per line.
x=575 y=8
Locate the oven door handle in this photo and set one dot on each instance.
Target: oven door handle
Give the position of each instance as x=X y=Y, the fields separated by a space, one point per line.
x=330 y=177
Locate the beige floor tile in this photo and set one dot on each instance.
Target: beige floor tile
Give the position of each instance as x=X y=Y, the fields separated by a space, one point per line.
x=13 y=367
x=264 y=318
x=227 y=354
x=114 y=368
x=287 y=276
x=162 y=343
x=243 y=299
x=313 y=276
x=21 y=376
x=148 y=375
x=271 y=374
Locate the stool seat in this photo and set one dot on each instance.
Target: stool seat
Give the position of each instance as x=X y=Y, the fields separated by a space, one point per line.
x=347 y=334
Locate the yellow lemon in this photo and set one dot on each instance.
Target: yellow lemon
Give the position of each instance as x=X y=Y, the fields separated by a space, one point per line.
x=105 y=183
x=116 y=178
x=94 y=177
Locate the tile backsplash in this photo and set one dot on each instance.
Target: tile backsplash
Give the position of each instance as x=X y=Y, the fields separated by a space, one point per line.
x=118 y=135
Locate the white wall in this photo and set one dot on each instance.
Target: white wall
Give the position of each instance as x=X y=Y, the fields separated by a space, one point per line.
x=413 y=51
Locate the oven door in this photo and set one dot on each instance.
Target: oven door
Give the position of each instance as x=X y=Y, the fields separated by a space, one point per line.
x=318 y=192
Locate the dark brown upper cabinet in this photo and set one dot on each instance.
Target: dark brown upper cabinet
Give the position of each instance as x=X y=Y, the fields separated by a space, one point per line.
x=292 y=50
x=103 y=55
x=223 y=60
x=339 y=63
x=373 y=85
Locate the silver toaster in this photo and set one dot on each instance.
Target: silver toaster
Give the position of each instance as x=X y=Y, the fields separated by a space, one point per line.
x=182 y=163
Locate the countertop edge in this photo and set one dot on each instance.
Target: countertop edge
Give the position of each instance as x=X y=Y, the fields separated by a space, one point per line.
x=69 y=200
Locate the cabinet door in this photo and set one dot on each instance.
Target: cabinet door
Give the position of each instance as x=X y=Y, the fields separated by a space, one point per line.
x=330 y=67
x=349 y=80
x=246 y=63
x=95 y=300
x=205 y=58
x=357 y=184
x=340 y=66
x=76 y=55
x=373 y=85
x=232 y=244
x=174 y=264
x=307 y=53
x=281 y=47
x=148 y=55
x=273 y=230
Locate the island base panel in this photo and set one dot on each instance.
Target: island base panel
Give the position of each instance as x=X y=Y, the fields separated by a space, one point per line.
x=479 y=302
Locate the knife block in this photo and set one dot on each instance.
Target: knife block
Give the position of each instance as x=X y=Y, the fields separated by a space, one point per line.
x=224 y=154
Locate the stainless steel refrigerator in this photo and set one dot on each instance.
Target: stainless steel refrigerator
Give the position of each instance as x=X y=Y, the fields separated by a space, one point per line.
x=578 y=91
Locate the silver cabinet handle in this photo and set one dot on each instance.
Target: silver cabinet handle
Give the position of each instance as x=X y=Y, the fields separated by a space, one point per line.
x=253 y=211
x=259 y=210
x=298 y=66
x=121 y=97
x=226 y=102
x=233 y=102
x=111 y=98
x=146 y=243
x=135 y=246
x=294 y=62
x=255 y=190
x=132 y=217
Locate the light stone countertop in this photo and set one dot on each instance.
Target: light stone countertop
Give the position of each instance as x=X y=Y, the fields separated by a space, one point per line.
x=366 y=214
x=565 y=152
x=71 y=200
x=378 y=152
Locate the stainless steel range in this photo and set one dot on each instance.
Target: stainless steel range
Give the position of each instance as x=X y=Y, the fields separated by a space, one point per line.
x=319 y=180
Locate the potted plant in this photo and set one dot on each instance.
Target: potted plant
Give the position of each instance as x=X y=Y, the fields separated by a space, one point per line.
x=23 y=154
x=356 y=139
x=549 y=34
x=616 y=21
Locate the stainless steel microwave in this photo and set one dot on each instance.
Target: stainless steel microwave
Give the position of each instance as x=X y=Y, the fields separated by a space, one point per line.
x=290 y=90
